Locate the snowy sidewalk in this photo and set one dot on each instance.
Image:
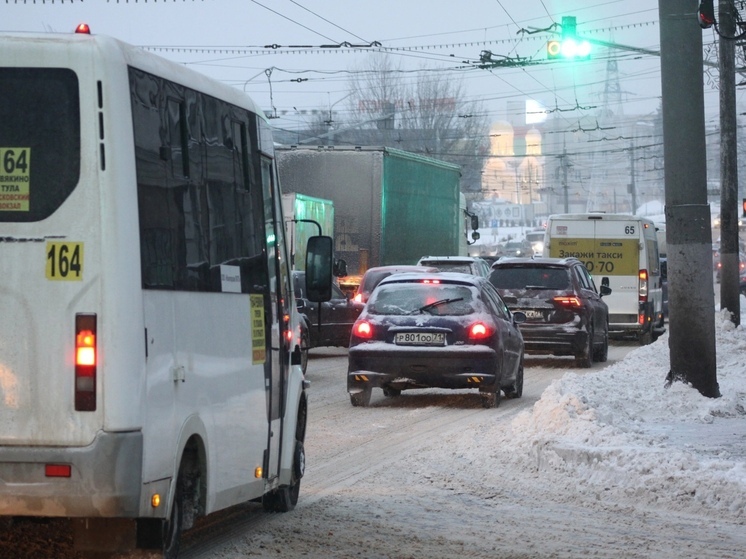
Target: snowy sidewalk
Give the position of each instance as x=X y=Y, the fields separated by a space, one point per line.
x=622 y=431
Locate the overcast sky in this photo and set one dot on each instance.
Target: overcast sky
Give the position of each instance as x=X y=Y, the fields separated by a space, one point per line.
x=226 y=39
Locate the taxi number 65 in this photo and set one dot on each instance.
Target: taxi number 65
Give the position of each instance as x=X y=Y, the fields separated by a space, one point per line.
x=64 y=261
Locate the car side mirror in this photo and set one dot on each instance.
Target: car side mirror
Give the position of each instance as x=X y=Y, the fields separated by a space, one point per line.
x=605 y=290
x=340 y=268
x=519 y=317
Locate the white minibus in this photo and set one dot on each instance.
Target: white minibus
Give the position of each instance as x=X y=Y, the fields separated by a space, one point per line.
x=149 y=357
x=620 y=251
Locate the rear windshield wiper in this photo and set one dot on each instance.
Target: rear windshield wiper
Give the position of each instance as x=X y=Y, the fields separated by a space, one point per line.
x=437 y=304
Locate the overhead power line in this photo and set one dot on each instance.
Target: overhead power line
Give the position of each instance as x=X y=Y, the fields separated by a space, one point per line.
x=291 y=20
x=326 y=20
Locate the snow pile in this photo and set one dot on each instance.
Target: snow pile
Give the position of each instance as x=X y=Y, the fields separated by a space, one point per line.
x=622 y=431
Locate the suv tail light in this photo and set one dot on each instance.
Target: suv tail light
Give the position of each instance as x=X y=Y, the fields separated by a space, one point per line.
x=86 y=361
x=643 y=290
x=567 y=302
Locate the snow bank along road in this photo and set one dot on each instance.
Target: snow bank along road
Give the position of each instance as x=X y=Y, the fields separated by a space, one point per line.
x=432 y=474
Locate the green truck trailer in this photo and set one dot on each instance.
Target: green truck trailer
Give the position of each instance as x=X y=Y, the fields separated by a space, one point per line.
x=305 y=216
x=390 y=206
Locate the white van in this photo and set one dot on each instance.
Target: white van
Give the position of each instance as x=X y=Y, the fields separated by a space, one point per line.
x=620 y=251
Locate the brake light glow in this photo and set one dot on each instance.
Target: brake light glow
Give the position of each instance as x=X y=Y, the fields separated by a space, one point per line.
x=479 y=331
x=86 y=362
x=643 y=275
x=85 y=348
x=358 y=298
x=363 y=329
x=433 y=281
x=83 y=28
x=568 y=302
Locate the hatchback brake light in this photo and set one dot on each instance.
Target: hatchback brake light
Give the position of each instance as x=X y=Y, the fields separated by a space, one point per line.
x=479 y=331
x=568 y=302
x=363 y=329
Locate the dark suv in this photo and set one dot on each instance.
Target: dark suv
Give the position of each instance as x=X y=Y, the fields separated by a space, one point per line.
x=565 y=314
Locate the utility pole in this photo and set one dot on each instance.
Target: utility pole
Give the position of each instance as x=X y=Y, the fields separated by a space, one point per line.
x=691 y=297
x=632 y=186
x=564 y=179
x=729 y=250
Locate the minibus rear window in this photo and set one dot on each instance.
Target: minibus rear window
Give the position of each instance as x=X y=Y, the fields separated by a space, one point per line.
x=39 y=141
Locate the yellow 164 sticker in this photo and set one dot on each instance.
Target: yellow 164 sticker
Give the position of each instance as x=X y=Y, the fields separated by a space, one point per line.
x=64 y=261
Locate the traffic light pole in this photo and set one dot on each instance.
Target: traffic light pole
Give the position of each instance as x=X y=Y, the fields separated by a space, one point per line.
x=691 y=294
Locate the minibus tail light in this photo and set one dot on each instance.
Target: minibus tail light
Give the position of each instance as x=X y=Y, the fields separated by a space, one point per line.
x=643 y=275
x=86 y=362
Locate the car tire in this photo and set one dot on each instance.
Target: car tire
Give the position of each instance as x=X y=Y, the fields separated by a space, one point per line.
x=646 y=337
x=584 y=359
x=391 y=392
x=490 y=399
x=361 y=399
x=601 y=354
x=516 y=389
x=172 y=527
x=285 y=497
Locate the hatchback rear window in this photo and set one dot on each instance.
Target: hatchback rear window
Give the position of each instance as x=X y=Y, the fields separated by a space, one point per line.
x=530 y=278
x=39 y=141
x=462 y=267
x=414 y=298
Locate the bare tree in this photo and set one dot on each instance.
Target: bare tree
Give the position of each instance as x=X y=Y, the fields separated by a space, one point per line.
x=422 y=111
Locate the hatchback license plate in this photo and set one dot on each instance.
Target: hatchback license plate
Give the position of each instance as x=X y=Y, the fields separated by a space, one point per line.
x=420 y=338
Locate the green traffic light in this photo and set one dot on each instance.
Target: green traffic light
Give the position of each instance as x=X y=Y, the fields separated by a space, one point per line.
x=568 y=49
x=572 y=48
